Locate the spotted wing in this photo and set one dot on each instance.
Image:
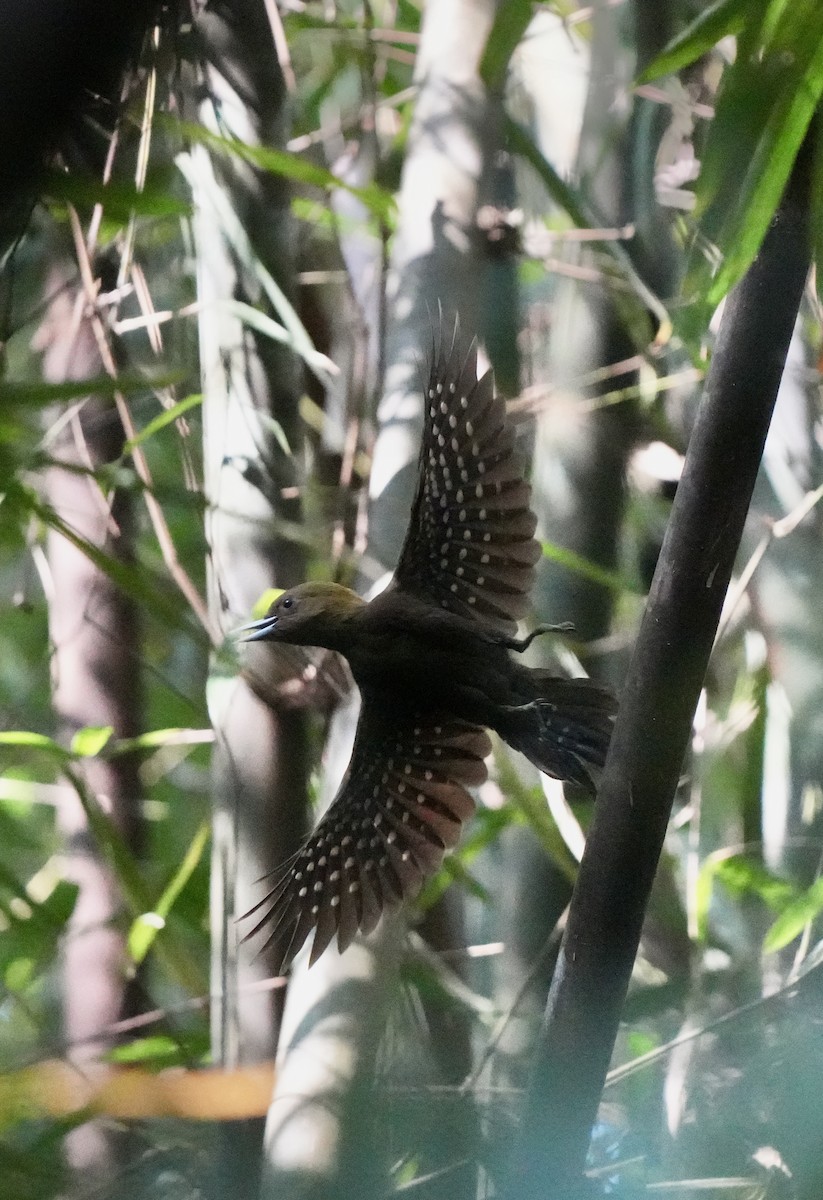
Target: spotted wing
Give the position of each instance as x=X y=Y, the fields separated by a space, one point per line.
x=470 y=546
x=399 y=808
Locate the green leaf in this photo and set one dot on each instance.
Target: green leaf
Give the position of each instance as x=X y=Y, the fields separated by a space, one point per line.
x=32 y=937
x=145 y=928
x=135 y=892
x=766 y=102
x=377 y=200
x=263 y=323
x=34 y=741
x=484 y=830
x=564 y=196
x=742 y=874
x=456 y=871
x=10 y=884
x=237 y=236
x=753 y=687
x=155 y=739
x=119 y=199
x=585 y=567
x=186 y=869
x=161 y=1051
x=531 y=804
x=88 y=742
x=794 y=918
x=505 y=35
x=41 y=394
x=162 y=420
x=716 y=21
x=58 y=906
x=639 y=1042
x=134 y=581
x=817 y=208
x=19 y=974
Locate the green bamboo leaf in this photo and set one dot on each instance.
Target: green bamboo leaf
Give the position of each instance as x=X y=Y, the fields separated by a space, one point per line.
x=135 y=891
x=162 y=420
x=745 y=875
x=237 y=236
x=41 y=394
x=703 y=898
x=29 y=941
x=531 y=804
x=750 y=778
x=186 y=869
x=377 y=200
x=133 y=580
x=817 y=209
x=766 y=103
x=716 y=21
x=270 y=328
x=34 y=741
x=88 y=742
x=484 y=830
x=794 y=918
x=456 y=871
x=161 y=1051
x=156 y=739
x=145 y=928
x=14 y=886
x=112 y=845
x=585 y=567
x=505 y=36
x=741 y=874
x=119 y=199
x=564 y=196
x=58 y=906
x=144 y=1050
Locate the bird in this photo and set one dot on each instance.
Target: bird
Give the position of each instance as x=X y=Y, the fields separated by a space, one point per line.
x=433 y=658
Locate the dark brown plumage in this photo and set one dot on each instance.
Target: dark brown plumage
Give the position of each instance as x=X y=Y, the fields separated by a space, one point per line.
x=431 y=657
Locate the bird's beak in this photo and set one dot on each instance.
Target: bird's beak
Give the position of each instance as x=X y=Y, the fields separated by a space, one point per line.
x=258 y=631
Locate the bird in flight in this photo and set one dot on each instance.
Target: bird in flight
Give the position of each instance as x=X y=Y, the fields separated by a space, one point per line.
x=432 y=657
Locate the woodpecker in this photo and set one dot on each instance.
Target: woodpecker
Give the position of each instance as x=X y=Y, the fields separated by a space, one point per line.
x=432 y=657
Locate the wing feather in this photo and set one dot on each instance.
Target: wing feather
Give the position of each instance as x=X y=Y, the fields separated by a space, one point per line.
x=399 y=808
x=470 y=547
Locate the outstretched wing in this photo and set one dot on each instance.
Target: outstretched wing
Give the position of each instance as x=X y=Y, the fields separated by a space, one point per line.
x=470 y=545
x=399 y=807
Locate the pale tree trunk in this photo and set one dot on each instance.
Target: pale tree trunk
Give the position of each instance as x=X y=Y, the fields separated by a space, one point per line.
x=95 y=635
x=436 y=259
x=582 y=447
x=251 y=388
x=784 y=592
x=323 y=1136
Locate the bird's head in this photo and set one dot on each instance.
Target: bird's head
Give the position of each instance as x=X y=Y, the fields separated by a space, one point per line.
x=309 y=615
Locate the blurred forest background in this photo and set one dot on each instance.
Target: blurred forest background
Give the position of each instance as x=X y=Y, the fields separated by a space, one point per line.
x=216 y=302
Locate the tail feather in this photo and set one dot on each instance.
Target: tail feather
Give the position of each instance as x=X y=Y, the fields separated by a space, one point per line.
x=563 y=726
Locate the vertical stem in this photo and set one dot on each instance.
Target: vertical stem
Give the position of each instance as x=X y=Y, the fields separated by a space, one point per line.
x=659 y=698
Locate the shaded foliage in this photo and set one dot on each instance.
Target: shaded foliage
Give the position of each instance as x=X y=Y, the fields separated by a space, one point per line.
x=714 y=1072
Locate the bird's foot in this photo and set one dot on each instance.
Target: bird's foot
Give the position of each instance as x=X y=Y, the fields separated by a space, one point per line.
x=528 y=706
x=521 y=644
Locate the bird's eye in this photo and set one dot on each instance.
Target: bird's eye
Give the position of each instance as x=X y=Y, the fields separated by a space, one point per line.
x=288 y=602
